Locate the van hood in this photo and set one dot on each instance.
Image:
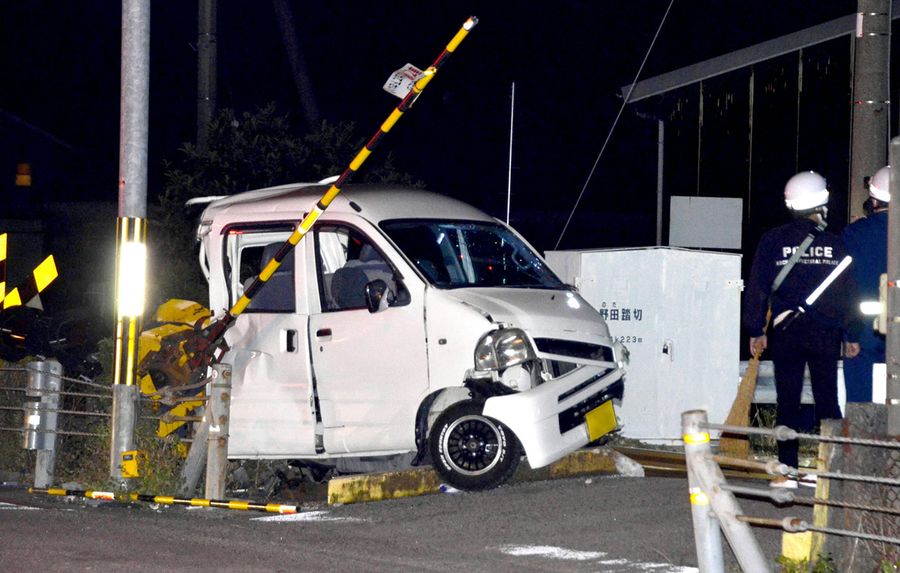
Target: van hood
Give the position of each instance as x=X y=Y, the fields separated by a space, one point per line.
x=539 y=311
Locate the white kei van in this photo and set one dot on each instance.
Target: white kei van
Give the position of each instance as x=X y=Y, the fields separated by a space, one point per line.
x=404 y=322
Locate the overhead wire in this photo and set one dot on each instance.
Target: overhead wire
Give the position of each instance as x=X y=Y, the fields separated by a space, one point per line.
x=615 y=122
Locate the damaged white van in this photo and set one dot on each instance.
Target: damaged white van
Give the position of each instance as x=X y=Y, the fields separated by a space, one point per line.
x=404 y=322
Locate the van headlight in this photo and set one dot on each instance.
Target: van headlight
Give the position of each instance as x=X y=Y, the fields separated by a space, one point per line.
x=500 y=349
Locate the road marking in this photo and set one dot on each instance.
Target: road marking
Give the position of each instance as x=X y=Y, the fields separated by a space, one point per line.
x=306 y=516
x=12 y=506
x=551 y=552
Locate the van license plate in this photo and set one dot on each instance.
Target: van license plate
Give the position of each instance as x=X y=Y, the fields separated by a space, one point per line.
x=601 y=420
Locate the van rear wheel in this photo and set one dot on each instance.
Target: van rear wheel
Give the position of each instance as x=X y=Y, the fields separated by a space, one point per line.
x=471 y=451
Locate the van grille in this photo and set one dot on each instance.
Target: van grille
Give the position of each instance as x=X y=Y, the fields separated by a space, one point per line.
x=582 y=350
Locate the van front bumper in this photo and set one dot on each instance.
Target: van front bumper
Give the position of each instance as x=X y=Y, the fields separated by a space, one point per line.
x=550 y=420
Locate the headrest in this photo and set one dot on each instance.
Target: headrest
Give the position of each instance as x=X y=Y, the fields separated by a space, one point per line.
x=287 y=265
x=368 y=254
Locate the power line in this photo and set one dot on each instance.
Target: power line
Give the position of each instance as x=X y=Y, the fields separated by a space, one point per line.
x=615 y=122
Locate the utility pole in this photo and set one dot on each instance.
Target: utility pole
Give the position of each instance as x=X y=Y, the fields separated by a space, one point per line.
x=892 y=337
x=131 y=232
x=206 y=70
x=299 y=71
x=871 y=104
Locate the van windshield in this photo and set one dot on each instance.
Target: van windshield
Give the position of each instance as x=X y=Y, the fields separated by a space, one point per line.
x=454 y=254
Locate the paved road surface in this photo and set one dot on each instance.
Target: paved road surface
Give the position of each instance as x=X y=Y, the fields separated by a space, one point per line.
x=598 y=524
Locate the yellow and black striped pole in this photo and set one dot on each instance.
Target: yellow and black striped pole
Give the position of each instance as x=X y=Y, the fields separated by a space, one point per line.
x=216 y=331
x=171 y=500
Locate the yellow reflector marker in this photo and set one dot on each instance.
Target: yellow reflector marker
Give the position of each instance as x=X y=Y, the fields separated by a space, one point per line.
x=238 y=504
x=698 y=497
x=699 y=438
x=45 y=273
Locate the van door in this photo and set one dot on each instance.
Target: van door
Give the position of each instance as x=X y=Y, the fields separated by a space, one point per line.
x=272 y=412
x=371 y=369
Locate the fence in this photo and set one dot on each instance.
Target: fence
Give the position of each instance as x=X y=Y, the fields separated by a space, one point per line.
x=45 y=415
x=715 y=508
x=50 y=420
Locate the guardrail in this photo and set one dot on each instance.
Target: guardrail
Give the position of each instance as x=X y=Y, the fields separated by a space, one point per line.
x=715 y=508
x=52 y=404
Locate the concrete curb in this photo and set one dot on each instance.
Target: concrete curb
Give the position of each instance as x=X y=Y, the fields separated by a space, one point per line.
x=423 y=481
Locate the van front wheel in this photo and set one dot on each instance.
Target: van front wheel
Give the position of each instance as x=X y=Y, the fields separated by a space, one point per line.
x=471 y=451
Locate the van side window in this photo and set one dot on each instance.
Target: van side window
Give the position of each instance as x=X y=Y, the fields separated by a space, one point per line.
x=277 y=295
x=346 y=261
x=248 y=253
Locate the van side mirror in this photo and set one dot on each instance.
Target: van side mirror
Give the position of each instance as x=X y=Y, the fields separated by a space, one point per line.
x=377 y=295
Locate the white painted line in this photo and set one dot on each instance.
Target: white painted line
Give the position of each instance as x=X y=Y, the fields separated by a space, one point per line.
x=551 y=552
x=308 y=516
x=12 y=506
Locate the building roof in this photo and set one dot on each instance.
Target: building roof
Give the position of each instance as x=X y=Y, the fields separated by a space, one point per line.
x=738 y=59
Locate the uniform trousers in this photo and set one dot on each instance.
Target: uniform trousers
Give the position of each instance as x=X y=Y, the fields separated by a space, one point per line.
x=792 y=350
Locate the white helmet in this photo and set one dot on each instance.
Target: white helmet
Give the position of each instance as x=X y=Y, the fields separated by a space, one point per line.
x=880 y=185
x=805 y=191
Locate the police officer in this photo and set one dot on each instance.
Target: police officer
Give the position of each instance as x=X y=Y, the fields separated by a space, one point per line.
x=866 y=240
x=811 y=336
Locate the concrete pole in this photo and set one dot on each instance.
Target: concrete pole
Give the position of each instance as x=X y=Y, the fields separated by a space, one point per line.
x=130 y=267
x=44 y=383
x=892 y=340
x=660 y=190
x=135 y=108
x=218 y=412
x=206 y=70
x=871 y=103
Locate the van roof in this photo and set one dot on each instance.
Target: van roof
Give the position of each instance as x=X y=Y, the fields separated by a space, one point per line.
x=373 y=202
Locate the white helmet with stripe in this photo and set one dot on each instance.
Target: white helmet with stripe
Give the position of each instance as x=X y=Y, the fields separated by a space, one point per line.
x=880 y=185
x=805 y=191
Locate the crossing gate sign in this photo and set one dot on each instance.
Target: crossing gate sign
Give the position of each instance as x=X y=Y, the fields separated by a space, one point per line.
x=402 y=80
x=39 y=279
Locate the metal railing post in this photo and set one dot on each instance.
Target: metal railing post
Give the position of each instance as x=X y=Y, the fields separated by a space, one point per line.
x=707 y=535
x=44 y=384
x=196 y=458
x=709 y=480
x=218 y=410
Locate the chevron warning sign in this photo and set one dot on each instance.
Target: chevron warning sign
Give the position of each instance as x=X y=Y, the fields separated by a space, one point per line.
x=40 y=278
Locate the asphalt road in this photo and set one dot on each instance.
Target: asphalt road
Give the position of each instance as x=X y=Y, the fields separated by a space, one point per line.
x=596 y=524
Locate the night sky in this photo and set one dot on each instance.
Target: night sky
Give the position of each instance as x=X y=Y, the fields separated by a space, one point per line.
x=60 y=68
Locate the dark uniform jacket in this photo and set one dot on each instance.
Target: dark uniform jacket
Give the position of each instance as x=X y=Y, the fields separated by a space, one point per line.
x=833 y=309
x=866 y=240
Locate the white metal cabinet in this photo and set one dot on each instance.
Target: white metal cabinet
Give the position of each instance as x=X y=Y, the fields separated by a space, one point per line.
x=678 y=313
